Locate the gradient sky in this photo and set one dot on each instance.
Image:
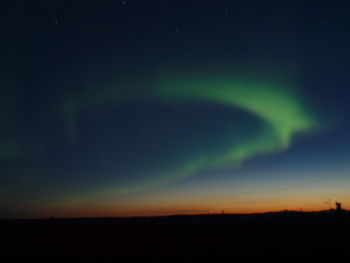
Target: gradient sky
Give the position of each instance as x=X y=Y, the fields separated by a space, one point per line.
x=141 y=108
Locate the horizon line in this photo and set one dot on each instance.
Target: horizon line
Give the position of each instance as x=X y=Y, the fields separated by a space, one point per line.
x=173 y=215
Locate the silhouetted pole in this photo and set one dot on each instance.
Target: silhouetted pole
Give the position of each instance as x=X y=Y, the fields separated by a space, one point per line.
x=339 y=214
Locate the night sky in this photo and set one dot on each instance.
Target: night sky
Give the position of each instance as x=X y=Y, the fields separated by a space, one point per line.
x=157 y=107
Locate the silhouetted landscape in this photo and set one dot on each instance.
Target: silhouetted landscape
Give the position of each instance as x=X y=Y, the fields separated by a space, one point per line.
x=280 y=235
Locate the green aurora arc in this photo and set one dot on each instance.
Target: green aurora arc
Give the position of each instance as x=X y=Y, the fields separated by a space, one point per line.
x=280 y=107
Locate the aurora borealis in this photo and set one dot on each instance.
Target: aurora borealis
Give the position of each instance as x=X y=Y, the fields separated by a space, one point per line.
x=168 y=107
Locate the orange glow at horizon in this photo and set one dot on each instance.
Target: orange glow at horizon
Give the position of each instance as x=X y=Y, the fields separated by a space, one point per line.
x=146 y=209
x=258 y=197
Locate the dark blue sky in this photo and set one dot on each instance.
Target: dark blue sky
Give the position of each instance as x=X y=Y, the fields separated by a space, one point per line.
x=154 y=107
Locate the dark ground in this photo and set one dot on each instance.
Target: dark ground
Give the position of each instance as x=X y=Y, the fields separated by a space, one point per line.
x=283 y=236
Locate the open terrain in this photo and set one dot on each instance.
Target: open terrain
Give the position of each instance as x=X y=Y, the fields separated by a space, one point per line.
x=282 y=235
